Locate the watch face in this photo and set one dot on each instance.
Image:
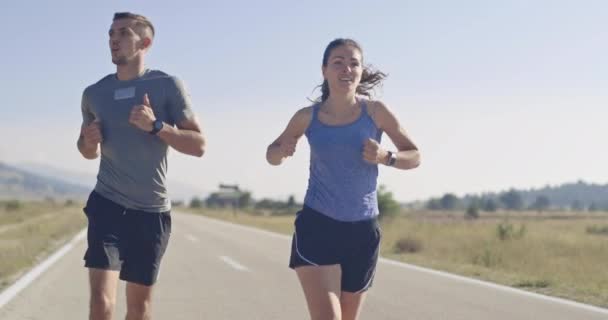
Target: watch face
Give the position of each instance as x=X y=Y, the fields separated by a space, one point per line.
x=158 y=125
x=392 y=159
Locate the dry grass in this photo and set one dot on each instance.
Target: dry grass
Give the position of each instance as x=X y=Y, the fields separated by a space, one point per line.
x=553 y=256
x=32 y=232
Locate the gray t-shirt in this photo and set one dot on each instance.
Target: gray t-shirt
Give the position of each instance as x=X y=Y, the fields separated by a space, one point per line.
x=133 y=162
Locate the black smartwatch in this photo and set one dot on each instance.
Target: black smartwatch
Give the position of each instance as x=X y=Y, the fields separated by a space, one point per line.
x=392 y=158
x=157 y=125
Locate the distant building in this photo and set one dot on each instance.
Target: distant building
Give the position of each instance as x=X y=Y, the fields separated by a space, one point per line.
x=228 y=196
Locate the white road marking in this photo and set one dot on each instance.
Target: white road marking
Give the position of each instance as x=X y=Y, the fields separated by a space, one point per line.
x=229 y=261
x=33 y=274
x=191 y=237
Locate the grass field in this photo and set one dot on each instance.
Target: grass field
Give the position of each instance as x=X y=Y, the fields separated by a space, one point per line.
x=31 y=231
x=561 y=254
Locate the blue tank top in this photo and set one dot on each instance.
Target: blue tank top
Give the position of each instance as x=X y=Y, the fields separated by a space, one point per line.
x=341 y=184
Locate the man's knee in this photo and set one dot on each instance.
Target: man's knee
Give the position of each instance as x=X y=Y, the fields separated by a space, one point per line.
x=139 y=308
x=102 y=305
x=102 y=299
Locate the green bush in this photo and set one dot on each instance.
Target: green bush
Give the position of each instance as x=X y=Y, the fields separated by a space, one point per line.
x=506 y=231
x=12 y=205
x=387 y=206
x=598 y=230
x=487 y=258
x=472 y=212
x=196 y=203
x=408 y=245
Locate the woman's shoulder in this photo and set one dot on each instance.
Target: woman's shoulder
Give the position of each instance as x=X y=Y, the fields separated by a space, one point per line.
x=375 y=106
x=305 y=113
x=376 y=109
x=303 y=117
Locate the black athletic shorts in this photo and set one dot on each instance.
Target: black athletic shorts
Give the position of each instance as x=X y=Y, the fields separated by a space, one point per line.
x=130 y=241
x=320 y=240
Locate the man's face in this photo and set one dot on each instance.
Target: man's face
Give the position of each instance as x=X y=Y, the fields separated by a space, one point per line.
x=125 y=42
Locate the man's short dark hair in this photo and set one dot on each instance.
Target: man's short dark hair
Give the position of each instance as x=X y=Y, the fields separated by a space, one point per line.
x=139 y=19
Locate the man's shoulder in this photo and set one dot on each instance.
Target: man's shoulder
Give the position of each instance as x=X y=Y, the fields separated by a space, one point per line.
x=169 y=81
x=160 y=75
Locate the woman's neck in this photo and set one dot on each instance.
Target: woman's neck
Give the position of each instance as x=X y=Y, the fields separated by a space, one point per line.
x=340 y=104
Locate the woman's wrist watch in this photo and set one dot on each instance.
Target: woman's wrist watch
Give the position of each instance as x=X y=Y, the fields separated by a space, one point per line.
x=391 y=159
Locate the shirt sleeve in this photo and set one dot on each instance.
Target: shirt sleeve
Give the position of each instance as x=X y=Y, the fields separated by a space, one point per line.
x=87 y=114
x=180 y=105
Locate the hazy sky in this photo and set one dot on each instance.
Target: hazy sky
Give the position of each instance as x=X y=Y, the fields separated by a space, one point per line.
x=496 y=94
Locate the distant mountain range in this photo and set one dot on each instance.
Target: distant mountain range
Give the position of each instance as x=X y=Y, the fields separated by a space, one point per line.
x=16 y=183
x=578 y=195
x=569 y=194
x=39 y=181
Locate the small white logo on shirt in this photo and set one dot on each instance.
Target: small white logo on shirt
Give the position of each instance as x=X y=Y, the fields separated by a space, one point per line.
x=124 y=93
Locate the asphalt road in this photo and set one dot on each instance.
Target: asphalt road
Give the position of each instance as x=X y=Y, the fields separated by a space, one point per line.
x=216 y=270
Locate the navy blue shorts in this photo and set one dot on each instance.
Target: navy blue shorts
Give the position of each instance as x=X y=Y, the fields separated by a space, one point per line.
x=130 y=241
x=320 y=240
